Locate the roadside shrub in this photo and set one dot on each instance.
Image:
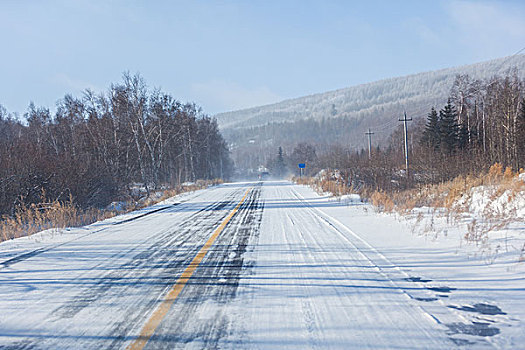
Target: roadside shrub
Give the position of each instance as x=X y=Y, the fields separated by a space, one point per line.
x=30 y=219
x=45 y=215
x=382 y=201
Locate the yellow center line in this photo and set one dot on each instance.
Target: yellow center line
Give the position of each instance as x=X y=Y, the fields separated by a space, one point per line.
x=161 y=311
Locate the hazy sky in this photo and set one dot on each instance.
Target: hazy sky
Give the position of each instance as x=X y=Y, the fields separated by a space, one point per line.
x=227 y=55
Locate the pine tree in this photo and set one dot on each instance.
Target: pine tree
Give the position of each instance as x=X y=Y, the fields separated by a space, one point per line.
x=430 y=136
x=280 y=167
x=448 y=128
x=463 y=136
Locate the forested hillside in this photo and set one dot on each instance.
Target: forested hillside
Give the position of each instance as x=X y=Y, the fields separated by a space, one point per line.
x=100 y=148
x=342 y=116
x=481 y=126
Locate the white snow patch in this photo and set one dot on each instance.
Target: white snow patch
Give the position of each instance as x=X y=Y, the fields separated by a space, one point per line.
x=431 y=245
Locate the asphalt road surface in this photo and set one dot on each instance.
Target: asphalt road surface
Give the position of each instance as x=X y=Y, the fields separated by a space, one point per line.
x=242 y=265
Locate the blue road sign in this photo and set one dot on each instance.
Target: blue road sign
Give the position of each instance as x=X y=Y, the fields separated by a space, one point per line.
x=302 y=165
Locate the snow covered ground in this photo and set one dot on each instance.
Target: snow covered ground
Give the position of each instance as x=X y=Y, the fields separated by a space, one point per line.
x=291 y=269
x=483 y=283
x=48 y=239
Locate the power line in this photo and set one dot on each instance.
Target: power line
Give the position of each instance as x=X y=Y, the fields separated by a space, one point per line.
x=517 y=53
x=385 y=127
x=471 y=93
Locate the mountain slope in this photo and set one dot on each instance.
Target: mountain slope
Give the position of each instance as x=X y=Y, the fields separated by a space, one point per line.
x=363 y=99
x=342 y=116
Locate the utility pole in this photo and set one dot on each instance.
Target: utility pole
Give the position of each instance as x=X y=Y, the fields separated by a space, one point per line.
x=405 y=120
x=369 y=133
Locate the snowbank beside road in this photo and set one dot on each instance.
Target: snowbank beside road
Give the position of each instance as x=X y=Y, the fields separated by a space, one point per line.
x=490 y=201
x=482 y=281
x=47 y=239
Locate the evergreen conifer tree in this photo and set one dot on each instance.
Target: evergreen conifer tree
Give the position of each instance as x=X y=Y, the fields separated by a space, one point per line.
x=430 y=136
x=448 y=128
x=280 y=166
x=463 y=136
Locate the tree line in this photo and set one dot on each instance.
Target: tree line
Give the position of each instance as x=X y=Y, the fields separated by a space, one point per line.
x=482 y=123
x=101 y=147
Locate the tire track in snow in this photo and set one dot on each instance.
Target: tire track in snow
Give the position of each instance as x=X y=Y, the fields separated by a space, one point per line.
x=24 y=256
x=193 y=320
x=146 y=261
x=441 y=314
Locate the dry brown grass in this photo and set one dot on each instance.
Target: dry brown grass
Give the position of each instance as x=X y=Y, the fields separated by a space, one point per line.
x=28 y=220
x=325 y=185
x=444 y=195
x=452 y=199
x=382 y=201
x=46 y=215
x=447 y=195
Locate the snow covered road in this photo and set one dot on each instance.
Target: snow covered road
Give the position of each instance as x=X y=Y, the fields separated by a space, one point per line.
x=282 y=272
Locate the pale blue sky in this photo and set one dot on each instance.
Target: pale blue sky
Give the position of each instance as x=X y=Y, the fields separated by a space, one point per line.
x=227 y=55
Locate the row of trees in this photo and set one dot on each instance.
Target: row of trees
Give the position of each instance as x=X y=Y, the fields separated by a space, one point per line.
x=443 y=133
x=485 y=117
x=482 y=123
x=101 y=147
x=284 y=165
